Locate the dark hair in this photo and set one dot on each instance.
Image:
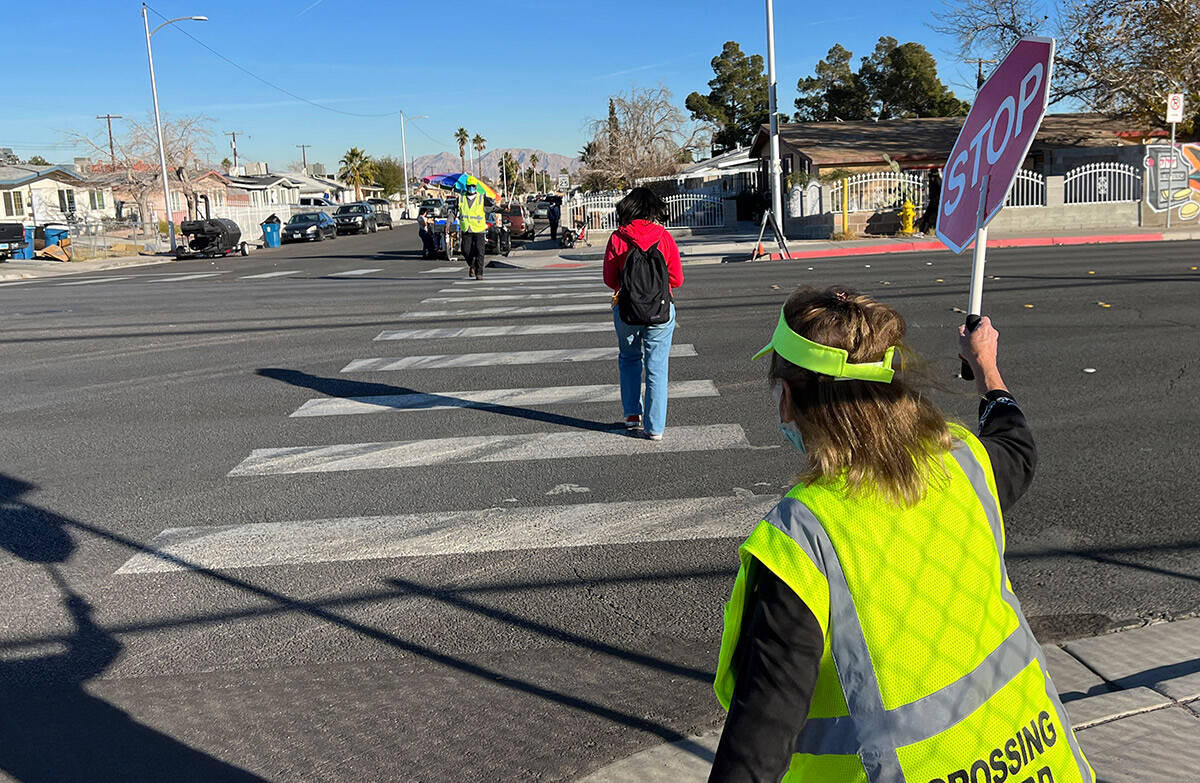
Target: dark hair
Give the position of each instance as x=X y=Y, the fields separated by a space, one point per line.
x=641 y=204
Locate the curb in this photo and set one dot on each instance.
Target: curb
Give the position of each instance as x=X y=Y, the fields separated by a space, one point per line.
x=1095 y=239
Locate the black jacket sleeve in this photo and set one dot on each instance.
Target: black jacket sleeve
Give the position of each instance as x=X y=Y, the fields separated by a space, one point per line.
x=1009 y=443
x=777 y=658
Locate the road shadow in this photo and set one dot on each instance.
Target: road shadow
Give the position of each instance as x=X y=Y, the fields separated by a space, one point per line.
x=51 y=729
x=345 y=388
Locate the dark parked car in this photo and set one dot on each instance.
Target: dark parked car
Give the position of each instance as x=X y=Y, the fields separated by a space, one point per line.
x=541 y=209
x=383 y=212
x=356 y=218
x=309 y=225
x=519 y=221
x=12 y=238
x=432 y=206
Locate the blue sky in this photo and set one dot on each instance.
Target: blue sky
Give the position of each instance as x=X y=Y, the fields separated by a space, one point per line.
x=532 y=75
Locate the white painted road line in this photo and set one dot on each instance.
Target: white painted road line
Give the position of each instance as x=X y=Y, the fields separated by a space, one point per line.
x=24 y=282
x=271 y=274
x=89 y=281
x=491 y=288
x=485 y=312
x=442 y=269
x=505 y=280
x=494 y=331
x=499 y=297
x=485 y=448
x=549 y=395
x=353 y=272
x=186 y=277
x=551 y=356
x=449 y=532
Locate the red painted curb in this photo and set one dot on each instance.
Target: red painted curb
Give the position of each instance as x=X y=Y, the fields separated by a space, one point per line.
x=913 y=247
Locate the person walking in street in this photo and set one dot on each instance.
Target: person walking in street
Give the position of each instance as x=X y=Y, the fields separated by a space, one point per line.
x=873 y=634
x=472 y=223
x=553 y=214
x=643 y=268
x=425 y=231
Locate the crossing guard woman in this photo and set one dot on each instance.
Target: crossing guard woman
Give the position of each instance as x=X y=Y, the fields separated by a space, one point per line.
x=872 y=634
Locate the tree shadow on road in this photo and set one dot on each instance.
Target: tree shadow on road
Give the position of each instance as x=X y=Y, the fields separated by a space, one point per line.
x=51 y=729
x=345 y=388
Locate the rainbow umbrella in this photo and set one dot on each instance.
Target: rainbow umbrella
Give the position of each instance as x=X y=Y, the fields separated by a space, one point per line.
x=459 y=182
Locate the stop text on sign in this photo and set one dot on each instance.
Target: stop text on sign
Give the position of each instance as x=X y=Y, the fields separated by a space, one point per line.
x=987 y=143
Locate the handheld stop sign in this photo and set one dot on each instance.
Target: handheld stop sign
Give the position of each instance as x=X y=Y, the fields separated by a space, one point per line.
x=991 y=147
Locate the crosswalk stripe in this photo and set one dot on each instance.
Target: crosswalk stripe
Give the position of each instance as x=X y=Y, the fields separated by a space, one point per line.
x=490 y=288
x=271 y=274
x=22 y=282
x=484 y=312
x=441 y=269
x=181 y=278
x=550 y=395
x=91 y=280
x=494 y=279
x=551 y=356
x=494 y=331
x=499 y=297
x=449 y=532
x=350 y=272
x=485 y=448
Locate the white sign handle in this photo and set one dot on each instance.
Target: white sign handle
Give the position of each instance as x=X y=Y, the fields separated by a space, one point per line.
x=978 y=261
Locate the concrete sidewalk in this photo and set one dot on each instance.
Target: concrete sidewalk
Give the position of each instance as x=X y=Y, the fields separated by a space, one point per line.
x=737 y=247
x=1133 y=697
x=18 y=269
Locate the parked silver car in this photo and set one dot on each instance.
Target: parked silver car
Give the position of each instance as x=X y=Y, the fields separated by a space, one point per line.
x=383 y=212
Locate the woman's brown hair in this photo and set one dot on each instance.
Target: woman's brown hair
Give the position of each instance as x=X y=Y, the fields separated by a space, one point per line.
x=881 y=437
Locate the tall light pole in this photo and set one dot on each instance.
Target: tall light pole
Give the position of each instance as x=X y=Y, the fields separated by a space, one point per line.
x=776 y=170
x=404 y=154
x=162 y=153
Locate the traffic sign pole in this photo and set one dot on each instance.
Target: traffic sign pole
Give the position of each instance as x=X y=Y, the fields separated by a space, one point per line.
x=978 y=262
x=1171 y=178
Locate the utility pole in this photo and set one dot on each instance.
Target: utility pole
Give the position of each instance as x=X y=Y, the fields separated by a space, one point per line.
x=112 y=155
x=304 y=156
x=979 y=80
x=404 y=153
x=773 y=126
x=233 y=143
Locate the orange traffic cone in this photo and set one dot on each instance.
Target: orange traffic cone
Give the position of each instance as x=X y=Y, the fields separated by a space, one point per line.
x=758 y=251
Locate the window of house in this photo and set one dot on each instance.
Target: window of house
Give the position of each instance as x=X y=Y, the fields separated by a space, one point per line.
x=66 y=200
x=96 y=199
x=175 y=204
x=14 y=204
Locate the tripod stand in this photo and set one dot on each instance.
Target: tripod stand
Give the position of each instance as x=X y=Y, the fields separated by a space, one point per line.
x=780 y=240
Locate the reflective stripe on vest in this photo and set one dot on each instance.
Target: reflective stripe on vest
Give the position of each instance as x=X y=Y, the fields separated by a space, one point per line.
x=870 y=731
x=472 y=218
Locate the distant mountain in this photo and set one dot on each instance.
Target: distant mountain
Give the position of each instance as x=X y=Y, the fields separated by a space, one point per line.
x=449 y=163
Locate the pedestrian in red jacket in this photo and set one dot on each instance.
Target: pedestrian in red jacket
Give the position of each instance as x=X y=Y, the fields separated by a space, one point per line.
x=643 y=348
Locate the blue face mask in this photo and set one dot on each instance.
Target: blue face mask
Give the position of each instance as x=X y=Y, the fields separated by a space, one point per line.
x=789 y=428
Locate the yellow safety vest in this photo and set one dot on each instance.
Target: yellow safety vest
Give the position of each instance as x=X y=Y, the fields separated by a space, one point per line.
x=472 y=218
x=930 y=673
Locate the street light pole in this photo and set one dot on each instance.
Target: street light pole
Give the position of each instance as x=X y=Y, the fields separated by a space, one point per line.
x=162 y=152
x=773 y=126
x=404 y=154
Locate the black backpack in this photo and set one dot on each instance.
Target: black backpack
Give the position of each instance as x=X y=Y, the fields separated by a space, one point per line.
x=645 y=296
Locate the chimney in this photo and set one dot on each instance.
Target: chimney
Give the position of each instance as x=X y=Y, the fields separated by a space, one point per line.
x=83 y=165
x=318 y=169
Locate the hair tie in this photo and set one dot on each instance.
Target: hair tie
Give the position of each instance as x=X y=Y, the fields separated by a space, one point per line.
x=842 y=296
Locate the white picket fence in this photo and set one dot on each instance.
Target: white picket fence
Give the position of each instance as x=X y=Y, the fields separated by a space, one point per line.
x=250 y=218
x=880 y=190
x=1028 y=190
x=598 y=211
x=1101 y=183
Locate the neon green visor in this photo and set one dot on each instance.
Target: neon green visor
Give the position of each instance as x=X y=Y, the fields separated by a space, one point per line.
x=824 y=359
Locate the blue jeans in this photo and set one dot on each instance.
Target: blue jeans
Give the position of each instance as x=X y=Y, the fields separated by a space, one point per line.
x=648 y=346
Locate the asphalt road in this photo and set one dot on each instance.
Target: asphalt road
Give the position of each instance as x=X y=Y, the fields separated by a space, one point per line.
x=439 y=630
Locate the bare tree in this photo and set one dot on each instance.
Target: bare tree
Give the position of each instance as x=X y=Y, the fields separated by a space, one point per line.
x=642 y=136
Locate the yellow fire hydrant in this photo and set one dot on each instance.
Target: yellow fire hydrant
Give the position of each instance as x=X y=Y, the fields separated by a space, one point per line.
x=907 y=213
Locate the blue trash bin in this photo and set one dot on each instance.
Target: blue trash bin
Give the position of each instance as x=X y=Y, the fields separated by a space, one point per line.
x=26 y=253
x=271 y=234
x=55 y=234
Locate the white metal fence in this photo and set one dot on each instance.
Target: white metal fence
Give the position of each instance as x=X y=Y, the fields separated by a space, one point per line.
x=249 y=218
x=598 y=211
x=1100 y=183
x=880 y=190
x=1028 y=190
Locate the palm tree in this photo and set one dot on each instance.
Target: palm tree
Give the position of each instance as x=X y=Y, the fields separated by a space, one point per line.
x=357 y=170
x=533 y=161
x=480 y=144
x=462 y=137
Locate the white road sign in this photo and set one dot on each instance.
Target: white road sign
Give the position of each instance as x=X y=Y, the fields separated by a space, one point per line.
x=1175 y=107
x=564 y=182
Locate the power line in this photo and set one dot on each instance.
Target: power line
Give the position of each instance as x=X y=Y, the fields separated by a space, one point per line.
x=270 y=84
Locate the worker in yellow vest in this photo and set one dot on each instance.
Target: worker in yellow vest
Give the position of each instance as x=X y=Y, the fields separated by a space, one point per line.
x=873 y=634
x=472 y=222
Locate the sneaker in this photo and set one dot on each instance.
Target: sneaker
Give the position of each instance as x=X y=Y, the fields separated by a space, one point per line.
x=654 y=436
x=633 y=422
